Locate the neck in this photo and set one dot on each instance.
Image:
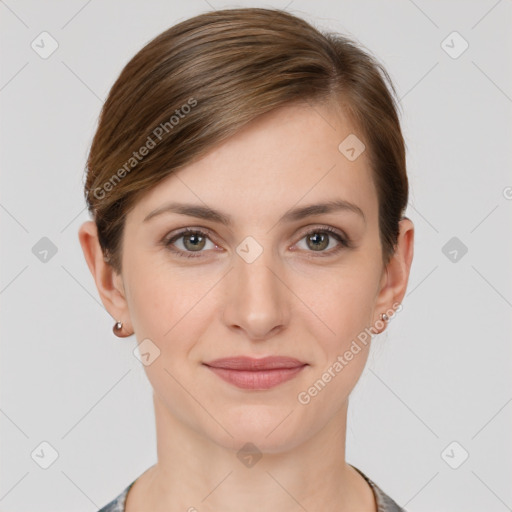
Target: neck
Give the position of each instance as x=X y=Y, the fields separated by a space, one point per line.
x=193 y=473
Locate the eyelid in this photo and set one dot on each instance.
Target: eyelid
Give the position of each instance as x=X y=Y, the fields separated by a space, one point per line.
x=174 y=235
x=325 y=227
x=344 y=241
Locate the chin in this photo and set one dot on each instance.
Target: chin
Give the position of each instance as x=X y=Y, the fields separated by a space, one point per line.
x=268 y=429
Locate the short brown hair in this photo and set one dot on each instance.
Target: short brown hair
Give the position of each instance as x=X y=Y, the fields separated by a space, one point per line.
x=221 y=70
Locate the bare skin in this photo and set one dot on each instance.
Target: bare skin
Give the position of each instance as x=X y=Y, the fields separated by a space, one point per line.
x=299 y=298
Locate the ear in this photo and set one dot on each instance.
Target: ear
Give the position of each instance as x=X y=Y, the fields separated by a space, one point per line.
x=109 y=283
x=396 y=274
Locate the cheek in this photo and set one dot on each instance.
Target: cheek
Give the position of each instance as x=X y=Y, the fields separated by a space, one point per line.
x=344 y=304
x=154 y=297
x=340 y=301
x=151 y=310
x=167 y=305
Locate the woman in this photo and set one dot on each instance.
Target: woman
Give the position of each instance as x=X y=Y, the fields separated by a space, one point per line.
x=247 y=183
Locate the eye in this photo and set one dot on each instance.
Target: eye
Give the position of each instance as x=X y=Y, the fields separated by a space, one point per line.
x=194 y=240
x=318 y=239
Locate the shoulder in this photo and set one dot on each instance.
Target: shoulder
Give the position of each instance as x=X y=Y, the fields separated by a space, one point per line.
x=117 y=504
x=384 y=502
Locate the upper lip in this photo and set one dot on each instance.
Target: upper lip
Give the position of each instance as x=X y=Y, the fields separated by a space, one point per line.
x=249 y=363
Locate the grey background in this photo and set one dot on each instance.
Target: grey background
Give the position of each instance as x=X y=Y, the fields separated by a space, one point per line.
x=440 y=373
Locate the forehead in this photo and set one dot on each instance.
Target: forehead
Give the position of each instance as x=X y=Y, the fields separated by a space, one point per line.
x=287 y=157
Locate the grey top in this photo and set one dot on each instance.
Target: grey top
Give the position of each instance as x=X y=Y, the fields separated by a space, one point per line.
x=384 y=502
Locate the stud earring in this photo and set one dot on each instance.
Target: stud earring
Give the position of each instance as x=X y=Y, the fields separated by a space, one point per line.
x=384 y=317
x=117 y=328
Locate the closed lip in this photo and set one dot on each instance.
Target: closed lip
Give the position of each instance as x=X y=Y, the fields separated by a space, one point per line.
x=245 y=363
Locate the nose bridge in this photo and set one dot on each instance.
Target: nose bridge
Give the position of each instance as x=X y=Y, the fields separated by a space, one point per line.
x=256 y=295
x=258 y=276
x=255 y=269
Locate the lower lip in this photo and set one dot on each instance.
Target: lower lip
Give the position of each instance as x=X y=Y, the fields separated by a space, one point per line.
x=260 y=379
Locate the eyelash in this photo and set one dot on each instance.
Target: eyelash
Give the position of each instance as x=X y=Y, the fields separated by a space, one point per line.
x=344 y=242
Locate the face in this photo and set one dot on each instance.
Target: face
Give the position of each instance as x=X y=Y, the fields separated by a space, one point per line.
x=266 y=283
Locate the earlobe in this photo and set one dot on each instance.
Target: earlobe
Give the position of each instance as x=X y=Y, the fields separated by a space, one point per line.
x=108 y=283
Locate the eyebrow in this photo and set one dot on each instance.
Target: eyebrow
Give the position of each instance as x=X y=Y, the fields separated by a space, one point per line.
x=204 y=212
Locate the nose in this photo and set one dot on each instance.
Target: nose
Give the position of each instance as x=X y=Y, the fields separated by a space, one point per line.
x=257 y=298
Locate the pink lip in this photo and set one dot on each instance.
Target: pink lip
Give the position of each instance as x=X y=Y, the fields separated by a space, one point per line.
x=249 y=373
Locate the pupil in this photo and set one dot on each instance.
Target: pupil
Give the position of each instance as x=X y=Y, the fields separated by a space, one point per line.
x=315 y=237
x=196 y=244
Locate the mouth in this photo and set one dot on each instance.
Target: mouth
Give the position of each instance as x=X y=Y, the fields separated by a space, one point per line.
x=249 y=373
